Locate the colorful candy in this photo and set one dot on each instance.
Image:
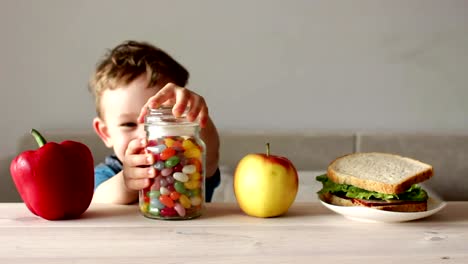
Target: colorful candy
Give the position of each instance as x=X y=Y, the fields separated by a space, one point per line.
x=156 y=203
x=164 y=191
x=188 y=169
x=168 y=212
x=192 y=153
x=180 y=176
x=172 y=161
x=166 y=172
x=177 y=190
x=192 y=184
x=167 y=153
x=196 y=200
x=174 y=195
x=156 y=149
x=179 y=209
x=166 y=200
x=179 y=187
x=159 y=165
x=185 y=201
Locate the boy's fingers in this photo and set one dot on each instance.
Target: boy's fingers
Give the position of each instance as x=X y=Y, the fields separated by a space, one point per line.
x=136 y=146
x=196 y=104
x=183 y=98
x=139 y=160
x=138 y=184
x=203 y=116
x=133 y=173
x=143 y=113
x=166 y=93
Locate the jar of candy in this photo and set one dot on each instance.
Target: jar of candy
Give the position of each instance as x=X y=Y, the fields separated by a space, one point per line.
x=178 y=189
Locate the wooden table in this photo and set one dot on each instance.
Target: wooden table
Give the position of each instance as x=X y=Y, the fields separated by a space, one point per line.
x=308 y=233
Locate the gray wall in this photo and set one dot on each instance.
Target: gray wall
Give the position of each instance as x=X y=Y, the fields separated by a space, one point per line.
x=270 y=65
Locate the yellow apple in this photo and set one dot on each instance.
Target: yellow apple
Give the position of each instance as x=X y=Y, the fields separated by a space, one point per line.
x=265 y=185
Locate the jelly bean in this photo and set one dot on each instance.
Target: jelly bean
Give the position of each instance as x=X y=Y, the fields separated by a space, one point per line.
x=183 y=160
x=166 y=172
x=188 y=169
x=172 y=161
x=156 y=184
x=185 y=201
x=170 y=187
x=192 y=153
x=195 y=192
x=163 y=182
x=144 y=207
x=197 y=163
x=159 y=165
x=178 y=144
x=177 y=168
x=153 y=194
x=154 y=211
x=195 y=176
x=168 y=212
x=167 y=153
x=192 y=185
x=164 y=191
x=196 y=200
x=155 y=203
x=178 y=148
x=156 y=149
x=188 y=144
x=166 y=200
x=169 y=142
x=179 y=209
x=152 y=142
x=189 y=193
x=174 y=195
x=170 y=180
x=145 y=198
x=179 y=187
x=180 y=176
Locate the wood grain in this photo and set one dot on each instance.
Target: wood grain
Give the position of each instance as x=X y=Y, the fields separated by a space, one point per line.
x=119 y=234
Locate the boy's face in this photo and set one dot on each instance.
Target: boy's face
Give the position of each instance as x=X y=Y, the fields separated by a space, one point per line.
x=120 y=109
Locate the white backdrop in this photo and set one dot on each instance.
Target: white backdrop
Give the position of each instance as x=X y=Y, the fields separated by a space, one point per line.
x=261 y=64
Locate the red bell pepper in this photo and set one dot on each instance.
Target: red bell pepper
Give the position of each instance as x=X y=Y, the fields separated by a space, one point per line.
x=55 y=181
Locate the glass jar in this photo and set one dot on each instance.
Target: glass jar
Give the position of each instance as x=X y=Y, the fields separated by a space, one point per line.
x=178 y=189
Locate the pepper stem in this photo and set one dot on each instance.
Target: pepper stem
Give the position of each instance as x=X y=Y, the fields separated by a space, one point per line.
x=268 y=149
x=38 y=137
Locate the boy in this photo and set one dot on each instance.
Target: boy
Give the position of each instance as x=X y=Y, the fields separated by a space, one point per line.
x=130 y=78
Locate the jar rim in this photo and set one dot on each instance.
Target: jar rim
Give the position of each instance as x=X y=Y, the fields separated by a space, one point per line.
x=163 y=116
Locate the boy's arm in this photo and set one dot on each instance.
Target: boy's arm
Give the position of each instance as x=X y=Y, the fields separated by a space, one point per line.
x=114 y=191
x=209 y=135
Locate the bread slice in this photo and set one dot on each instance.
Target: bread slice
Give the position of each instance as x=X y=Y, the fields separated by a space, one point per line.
x=379 y=172
x=405 y=206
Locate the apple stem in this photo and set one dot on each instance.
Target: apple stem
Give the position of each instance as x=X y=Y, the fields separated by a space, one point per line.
x=268 y=149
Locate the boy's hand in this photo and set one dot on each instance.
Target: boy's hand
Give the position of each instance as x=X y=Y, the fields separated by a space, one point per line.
x=137 y=169
x=181 y=98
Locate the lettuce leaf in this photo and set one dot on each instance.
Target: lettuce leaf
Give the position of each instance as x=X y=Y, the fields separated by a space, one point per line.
x=414 y=193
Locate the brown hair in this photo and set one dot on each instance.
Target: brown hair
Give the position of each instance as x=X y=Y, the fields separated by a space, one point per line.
x=127 y=61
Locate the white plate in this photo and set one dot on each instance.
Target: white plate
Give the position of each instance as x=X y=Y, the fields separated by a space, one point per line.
x=365 y=214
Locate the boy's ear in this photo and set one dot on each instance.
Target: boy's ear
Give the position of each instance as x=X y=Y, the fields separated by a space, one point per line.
x=101 y=129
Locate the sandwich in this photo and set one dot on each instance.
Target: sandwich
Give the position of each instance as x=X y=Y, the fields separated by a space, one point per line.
x=376 y=180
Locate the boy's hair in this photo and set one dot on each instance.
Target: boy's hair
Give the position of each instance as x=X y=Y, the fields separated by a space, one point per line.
x=129 y=60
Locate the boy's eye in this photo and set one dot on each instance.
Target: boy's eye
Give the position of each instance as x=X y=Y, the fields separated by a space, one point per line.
x=128 y=124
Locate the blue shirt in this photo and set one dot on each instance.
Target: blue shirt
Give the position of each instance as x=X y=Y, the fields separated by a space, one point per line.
x=112 y=165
